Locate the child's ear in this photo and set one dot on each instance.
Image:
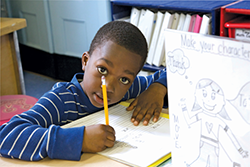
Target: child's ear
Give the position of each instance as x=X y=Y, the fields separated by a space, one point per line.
x=85 y=58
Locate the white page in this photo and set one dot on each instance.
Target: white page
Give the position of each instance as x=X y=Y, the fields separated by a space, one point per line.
x=136 y=145
x=209 y=99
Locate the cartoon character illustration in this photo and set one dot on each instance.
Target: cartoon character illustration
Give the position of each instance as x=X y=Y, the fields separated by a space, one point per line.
x=209 y=109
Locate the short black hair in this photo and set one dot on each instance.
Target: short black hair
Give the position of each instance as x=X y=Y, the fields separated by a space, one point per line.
x=124 y=34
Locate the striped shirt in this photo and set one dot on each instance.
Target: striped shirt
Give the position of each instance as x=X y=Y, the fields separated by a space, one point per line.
x=36 y=133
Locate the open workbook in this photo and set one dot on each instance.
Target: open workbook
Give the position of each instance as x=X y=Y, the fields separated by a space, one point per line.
x=135 y=145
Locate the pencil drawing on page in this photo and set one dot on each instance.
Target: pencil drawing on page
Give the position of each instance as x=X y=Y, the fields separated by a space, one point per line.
x=209 y=100
x=209 y=107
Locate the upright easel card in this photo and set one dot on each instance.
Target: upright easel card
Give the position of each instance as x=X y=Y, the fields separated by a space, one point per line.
x=209 y=99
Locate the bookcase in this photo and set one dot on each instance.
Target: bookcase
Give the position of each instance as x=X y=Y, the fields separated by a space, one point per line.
x=122 y=8
x=232 y=11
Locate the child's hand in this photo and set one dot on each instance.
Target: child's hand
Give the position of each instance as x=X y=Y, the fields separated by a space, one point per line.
x=97 y=138
x=148 y=104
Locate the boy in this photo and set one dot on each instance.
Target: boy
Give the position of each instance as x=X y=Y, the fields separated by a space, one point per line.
x=118 y=52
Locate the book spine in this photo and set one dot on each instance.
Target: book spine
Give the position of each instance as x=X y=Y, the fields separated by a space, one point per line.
x=204 y=25
x=197 y=24
x=187 y=22
x=155 y=37
x=191 y=25
x=158 y=58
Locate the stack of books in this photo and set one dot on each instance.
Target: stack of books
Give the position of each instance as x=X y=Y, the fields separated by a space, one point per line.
x=152 y=25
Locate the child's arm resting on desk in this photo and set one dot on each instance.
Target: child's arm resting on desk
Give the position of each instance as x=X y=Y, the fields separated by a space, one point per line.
x=150 y=96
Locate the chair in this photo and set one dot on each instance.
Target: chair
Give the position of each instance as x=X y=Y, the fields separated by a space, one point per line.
x=14 y=104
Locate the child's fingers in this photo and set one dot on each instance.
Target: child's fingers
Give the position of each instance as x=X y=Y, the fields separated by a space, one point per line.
x=110 y=136
x=148 y=116
x=157 y=114
x=138 y=115
x=132 y=105
x=110 y=143
x=135 y=112
x=110 y=129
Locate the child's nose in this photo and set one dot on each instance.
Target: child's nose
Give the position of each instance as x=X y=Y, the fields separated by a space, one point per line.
x=110 y=84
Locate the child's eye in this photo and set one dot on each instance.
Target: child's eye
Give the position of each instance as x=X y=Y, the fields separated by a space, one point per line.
x=102 y=70
x=124 y=80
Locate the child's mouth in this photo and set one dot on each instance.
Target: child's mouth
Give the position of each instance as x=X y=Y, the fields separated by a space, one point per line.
x=98 y=99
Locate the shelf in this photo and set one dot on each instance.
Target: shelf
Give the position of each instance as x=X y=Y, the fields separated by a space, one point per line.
x=122 y=8
x=241 y=7
x=212 y=7
x=232 y=11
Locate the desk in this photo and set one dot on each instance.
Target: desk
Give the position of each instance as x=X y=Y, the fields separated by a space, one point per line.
x=11 y=68
x=87 y=160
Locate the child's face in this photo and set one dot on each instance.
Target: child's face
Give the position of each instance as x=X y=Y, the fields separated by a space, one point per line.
x=117 y=64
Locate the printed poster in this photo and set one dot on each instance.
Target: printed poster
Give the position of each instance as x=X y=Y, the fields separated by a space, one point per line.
x=209 y=99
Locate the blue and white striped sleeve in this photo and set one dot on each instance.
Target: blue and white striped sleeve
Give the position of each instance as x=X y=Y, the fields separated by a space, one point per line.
x=36 y=134
x=141 y=83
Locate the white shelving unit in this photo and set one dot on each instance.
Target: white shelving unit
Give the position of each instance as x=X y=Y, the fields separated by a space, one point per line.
x=62 y=27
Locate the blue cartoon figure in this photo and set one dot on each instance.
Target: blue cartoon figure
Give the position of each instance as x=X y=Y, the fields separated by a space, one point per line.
x=209 y=108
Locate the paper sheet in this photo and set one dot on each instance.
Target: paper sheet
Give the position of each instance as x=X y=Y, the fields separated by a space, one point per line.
x=209 y=99
x=135 y=145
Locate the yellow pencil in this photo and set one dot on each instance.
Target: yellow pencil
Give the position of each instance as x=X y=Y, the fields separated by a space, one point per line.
x=105 y=100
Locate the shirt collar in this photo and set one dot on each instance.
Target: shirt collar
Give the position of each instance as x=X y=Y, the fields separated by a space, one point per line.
x=78 y=77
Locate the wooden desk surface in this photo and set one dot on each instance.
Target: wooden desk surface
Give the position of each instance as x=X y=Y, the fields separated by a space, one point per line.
x=8 y=25
x=87 y=160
